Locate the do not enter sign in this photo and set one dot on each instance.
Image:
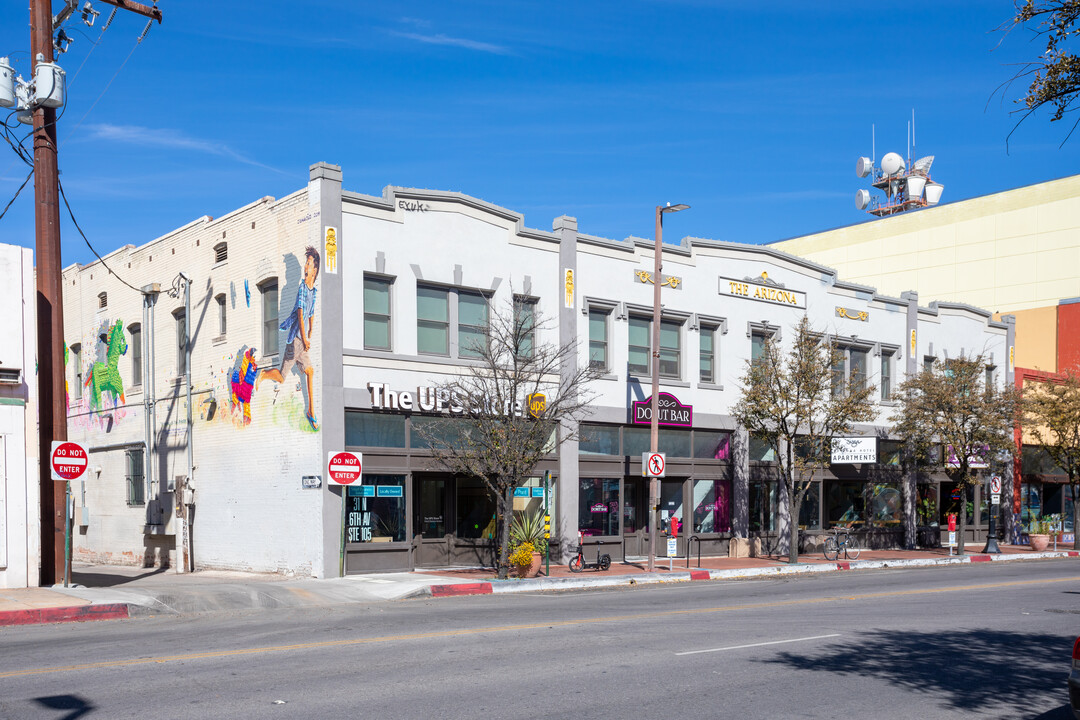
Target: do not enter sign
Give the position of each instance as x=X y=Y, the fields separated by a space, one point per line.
x=68 y=460
x=344 y=468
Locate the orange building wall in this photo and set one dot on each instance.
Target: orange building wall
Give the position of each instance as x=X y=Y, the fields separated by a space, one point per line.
x=1037 y=338
x=1068 y=336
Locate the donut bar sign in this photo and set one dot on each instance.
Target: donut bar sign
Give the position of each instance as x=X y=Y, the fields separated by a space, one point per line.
x=670 y=411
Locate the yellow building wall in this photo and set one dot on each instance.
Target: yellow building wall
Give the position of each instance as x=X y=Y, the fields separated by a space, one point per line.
x=1012 y=251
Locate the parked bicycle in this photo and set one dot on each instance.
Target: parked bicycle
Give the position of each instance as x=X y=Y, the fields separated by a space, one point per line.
x=579 y=563
x=842 y=539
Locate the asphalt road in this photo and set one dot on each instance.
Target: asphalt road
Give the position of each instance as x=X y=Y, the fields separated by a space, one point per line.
x=984 y=640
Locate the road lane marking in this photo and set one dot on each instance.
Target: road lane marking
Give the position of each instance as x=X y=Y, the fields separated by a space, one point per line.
x=760 y=644
x=516 y=628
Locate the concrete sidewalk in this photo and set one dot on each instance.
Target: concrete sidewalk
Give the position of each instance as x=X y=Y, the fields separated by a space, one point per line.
x=111 y=592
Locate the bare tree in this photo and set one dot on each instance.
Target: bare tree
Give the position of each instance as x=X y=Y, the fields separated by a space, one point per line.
x=517 y=401
x=797 y=404
x=1052 y=419
x=949 y=404
x=1054 y=77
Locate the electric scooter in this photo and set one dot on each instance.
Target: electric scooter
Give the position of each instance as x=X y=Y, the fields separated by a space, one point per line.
x=579 y=563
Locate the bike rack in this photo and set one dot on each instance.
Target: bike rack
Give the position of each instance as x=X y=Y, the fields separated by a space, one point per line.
x=689 y=540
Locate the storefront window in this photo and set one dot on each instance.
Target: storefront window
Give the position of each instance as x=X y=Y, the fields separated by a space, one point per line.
x=953 y=503
x=448 y=430
x=762 y=506
x=844 y=503
x=529 y=497
x=375 y=511
x=364 y=429
x=598 y=506
x=926 y=506
x=675 y=443
x=1030 y=502
x=810 y=512
x=712 y=445
x=712 y=506
x=1067 y=512
x=889 y=453
x=475 y=509
x=886 y=505
x=599 y=440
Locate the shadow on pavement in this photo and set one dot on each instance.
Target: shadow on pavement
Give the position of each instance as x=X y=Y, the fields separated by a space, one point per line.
x=1012 y=673
x=74 y=703
x=112 y=579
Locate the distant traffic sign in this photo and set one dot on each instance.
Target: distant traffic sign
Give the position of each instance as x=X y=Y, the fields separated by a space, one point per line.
x=68 y=460
x=344 y=468
x=995 y=484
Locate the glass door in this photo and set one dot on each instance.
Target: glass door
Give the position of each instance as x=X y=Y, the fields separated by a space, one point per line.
x=431 y=533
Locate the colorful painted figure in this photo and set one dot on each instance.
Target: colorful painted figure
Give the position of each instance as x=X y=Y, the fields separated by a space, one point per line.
x=243 y=382
x=298 y=325
x=104 y=376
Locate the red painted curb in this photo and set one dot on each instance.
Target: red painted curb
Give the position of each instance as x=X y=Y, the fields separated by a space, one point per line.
x=843 y=566
x=699 y=575
x=980 y=558
x=1074 y=554
x=78 y=613
x=483 y=588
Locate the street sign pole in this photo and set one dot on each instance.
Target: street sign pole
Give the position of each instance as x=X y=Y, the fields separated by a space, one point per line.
x=547 y=525
x=991 y=531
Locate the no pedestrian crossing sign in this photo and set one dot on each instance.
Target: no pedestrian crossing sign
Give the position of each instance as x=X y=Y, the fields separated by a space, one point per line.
x=653 y=464
x=344 y=467
x=67 y=461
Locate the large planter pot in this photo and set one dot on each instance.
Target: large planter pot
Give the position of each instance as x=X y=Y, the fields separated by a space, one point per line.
x=532 y=569
x=1038 y=542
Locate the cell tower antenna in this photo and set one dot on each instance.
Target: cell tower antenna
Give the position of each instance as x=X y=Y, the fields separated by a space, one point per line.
x=873 y=143
x=909 y=142
x=913 y=132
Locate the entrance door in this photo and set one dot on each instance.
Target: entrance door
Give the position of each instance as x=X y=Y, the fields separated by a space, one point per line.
x=431 y=534
x=635 y=519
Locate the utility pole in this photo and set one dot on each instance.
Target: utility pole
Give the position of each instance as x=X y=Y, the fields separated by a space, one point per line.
x=52 y=402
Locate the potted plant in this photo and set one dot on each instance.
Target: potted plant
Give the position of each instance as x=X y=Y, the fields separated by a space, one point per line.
x=1039 y=534
x=527 y=542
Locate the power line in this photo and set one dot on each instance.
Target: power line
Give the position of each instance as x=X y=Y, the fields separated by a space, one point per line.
x=2 y=214
x=60 y=185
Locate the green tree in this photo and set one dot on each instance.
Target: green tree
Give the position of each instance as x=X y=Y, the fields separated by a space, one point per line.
x=1052 y=419
x=948 y=404
x=1053 y=79
x=796 y=403
x=499 y=429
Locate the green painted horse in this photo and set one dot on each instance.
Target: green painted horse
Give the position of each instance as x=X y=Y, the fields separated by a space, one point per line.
x=104 y=376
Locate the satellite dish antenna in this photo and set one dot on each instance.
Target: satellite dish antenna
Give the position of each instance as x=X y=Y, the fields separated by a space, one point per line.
x=862 y=199
x=864 y=166
x=922 y=165
x=892 y=164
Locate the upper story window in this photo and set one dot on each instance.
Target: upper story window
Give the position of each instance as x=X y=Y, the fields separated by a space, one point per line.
x=221 y=252
x=598 y=339
x=102 y=300
x=76 y=366
x=181 y=342
x=989 y=378
x=135 y=331
x=269 y=291
x=928 y=363
x=220 y=299
x=472 y=323
x=886 y=375
x=525 y=325
x=758 y=342
x=639 y=347
x=376 y=313
x=434 y=320
x=850 y=369
x=707 y=359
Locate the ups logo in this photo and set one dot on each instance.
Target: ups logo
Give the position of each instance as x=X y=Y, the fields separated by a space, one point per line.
x=537 y=404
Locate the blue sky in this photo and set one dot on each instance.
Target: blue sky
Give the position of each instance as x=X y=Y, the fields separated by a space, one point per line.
x=753 y=114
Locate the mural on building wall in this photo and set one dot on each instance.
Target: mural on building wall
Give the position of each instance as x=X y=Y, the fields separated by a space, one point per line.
x=298 y=326
x=242 y=383
x=104 y=377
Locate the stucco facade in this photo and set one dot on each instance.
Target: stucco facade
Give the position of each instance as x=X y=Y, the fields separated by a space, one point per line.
x=405 y=280
x=20 y=548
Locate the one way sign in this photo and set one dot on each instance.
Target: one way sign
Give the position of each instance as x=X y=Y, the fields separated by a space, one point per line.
x=652 y=464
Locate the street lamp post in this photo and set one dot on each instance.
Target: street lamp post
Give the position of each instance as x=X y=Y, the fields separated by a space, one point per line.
x=654 y=419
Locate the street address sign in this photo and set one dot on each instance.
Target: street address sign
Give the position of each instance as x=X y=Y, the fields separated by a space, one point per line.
x=344 y=468
x=68 y=460
x=653 y=464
